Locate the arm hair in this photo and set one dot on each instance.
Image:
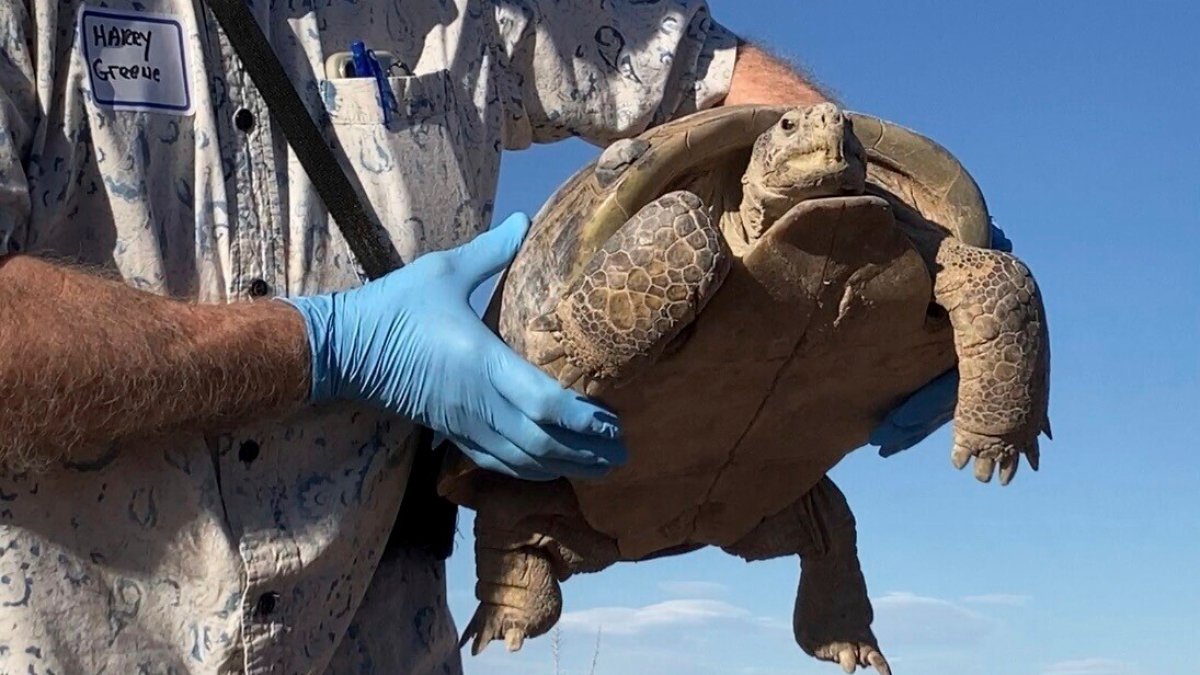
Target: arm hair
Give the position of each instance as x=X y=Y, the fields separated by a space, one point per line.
x=85 y=361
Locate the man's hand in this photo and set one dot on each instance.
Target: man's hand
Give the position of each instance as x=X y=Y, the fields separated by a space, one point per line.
x=411 y=343
x=85 y=361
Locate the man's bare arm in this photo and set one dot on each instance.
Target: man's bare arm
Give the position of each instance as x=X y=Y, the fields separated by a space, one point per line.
x=86 y=360
x=759 y=77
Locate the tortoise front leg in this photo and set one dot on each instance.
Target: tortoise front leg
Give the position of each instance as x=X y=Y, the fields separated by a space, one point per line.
x=1003 y=346
x=637 y=293
x=520 y=559
x=832 y=620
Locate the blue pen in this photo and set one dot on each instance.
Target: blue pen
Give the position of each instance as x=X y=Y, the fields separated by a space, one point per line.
x=366 y=65
x=360 y=60
x=362 y=63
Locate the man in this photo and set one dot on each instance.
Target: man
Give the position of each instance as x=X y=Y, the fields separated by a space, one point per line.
x=200 y=479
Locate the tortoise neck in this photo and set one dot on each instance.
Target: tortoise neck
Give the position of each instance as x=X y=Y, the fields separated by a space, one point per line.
x=760 y=207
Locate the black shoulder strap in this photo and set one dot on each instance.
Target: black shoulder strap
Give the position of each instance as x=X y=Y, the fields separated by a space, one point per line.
x=366 y=238
x=426 y=520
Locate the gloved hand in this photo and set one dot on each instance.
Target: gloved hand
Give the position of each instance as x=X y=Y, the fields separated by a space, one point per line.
x=931 y=406
x=410 y=343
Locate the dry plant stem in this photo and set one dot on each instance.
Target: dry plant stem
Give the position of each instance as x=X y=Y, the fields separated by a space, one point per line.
x=556 y=651
x=555 y=647
x=85 y=361
x=595 y=654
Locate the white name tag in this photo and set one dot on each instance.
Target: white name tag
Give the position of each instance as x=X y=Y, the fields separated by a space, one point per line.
x=136 y=60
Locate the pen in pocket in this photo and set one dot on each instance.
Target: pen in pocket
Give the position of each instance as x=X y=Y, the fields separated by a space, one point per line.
x=366 y=64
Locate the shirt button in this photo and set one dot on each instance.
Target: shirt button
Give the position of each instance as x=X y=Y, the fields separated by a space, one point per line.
x=248 y=452
x=258 y=288
x=266 y=604
x=244 y=120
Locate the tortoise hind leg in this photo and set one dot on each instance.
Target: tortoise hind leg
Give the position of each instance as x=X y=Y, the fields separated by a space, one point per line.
x=518 y=596
x=528 y=539
x=1003 y=347
x=833 y=615
x=637 y=293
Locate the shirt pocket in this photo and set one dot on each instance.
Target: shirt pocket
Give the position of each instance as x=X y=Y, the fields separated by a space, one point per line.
x=412 y=167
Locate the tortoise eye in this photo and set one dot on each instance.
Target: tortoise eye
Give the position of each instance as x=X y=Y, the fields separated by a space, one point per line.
x=787 y=124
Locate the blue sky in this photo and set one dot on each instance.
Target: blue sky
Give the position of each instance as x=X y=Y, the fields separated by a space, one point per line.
x=1079 y=122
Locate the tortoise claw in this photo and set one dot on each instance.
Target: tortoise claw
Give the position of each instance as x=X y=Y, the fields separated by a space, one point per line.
x=569 y=375
x=550 y=355
x=993 y=455
x=546 y=323
x=593 y=388
x=1034 y=455
x=984 y=466
x=1008 y=468
x=514 y=638
x=853 y=655
x=879 y=663
x=960 y=456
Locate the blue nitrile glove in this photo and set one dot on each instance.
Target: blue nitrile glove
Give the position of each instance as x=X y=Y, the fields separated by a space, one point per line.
x=410 y=343
x=931 y=406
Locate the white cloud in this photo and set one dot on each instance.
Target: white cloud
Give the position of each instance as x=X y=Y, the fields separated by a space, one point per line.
x=1009 y=599
x=775 y=623
x=633 y=620
x=1091 y=666
x=913 y=619
x=693 y=589
x=497 y=660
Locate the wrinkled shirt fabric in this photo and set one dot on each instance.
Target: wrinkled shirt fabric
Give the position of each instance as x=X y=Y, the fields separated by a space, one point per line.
x=258 y=550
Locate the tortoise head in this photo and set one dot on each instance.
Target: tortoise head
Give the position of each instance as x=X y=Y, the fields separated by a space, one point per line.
x=810 y=152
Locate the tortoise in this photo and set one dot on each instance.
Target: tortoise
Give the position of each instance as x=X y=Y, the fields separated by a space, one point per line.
x=751 y=288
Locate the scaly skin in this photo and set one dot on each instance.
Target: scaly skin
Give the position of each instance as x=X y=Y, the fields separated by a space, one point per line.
x=833 y=615
x=525 y=545
x=655 y=274
x=621 y=313
x=638 y=292
x=1003 y=347
x=518 y=596
x=810 y=153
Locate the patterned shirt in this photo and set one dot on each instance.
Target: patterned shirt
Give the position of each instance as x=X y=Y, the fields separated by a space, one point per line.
x=132 y=138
